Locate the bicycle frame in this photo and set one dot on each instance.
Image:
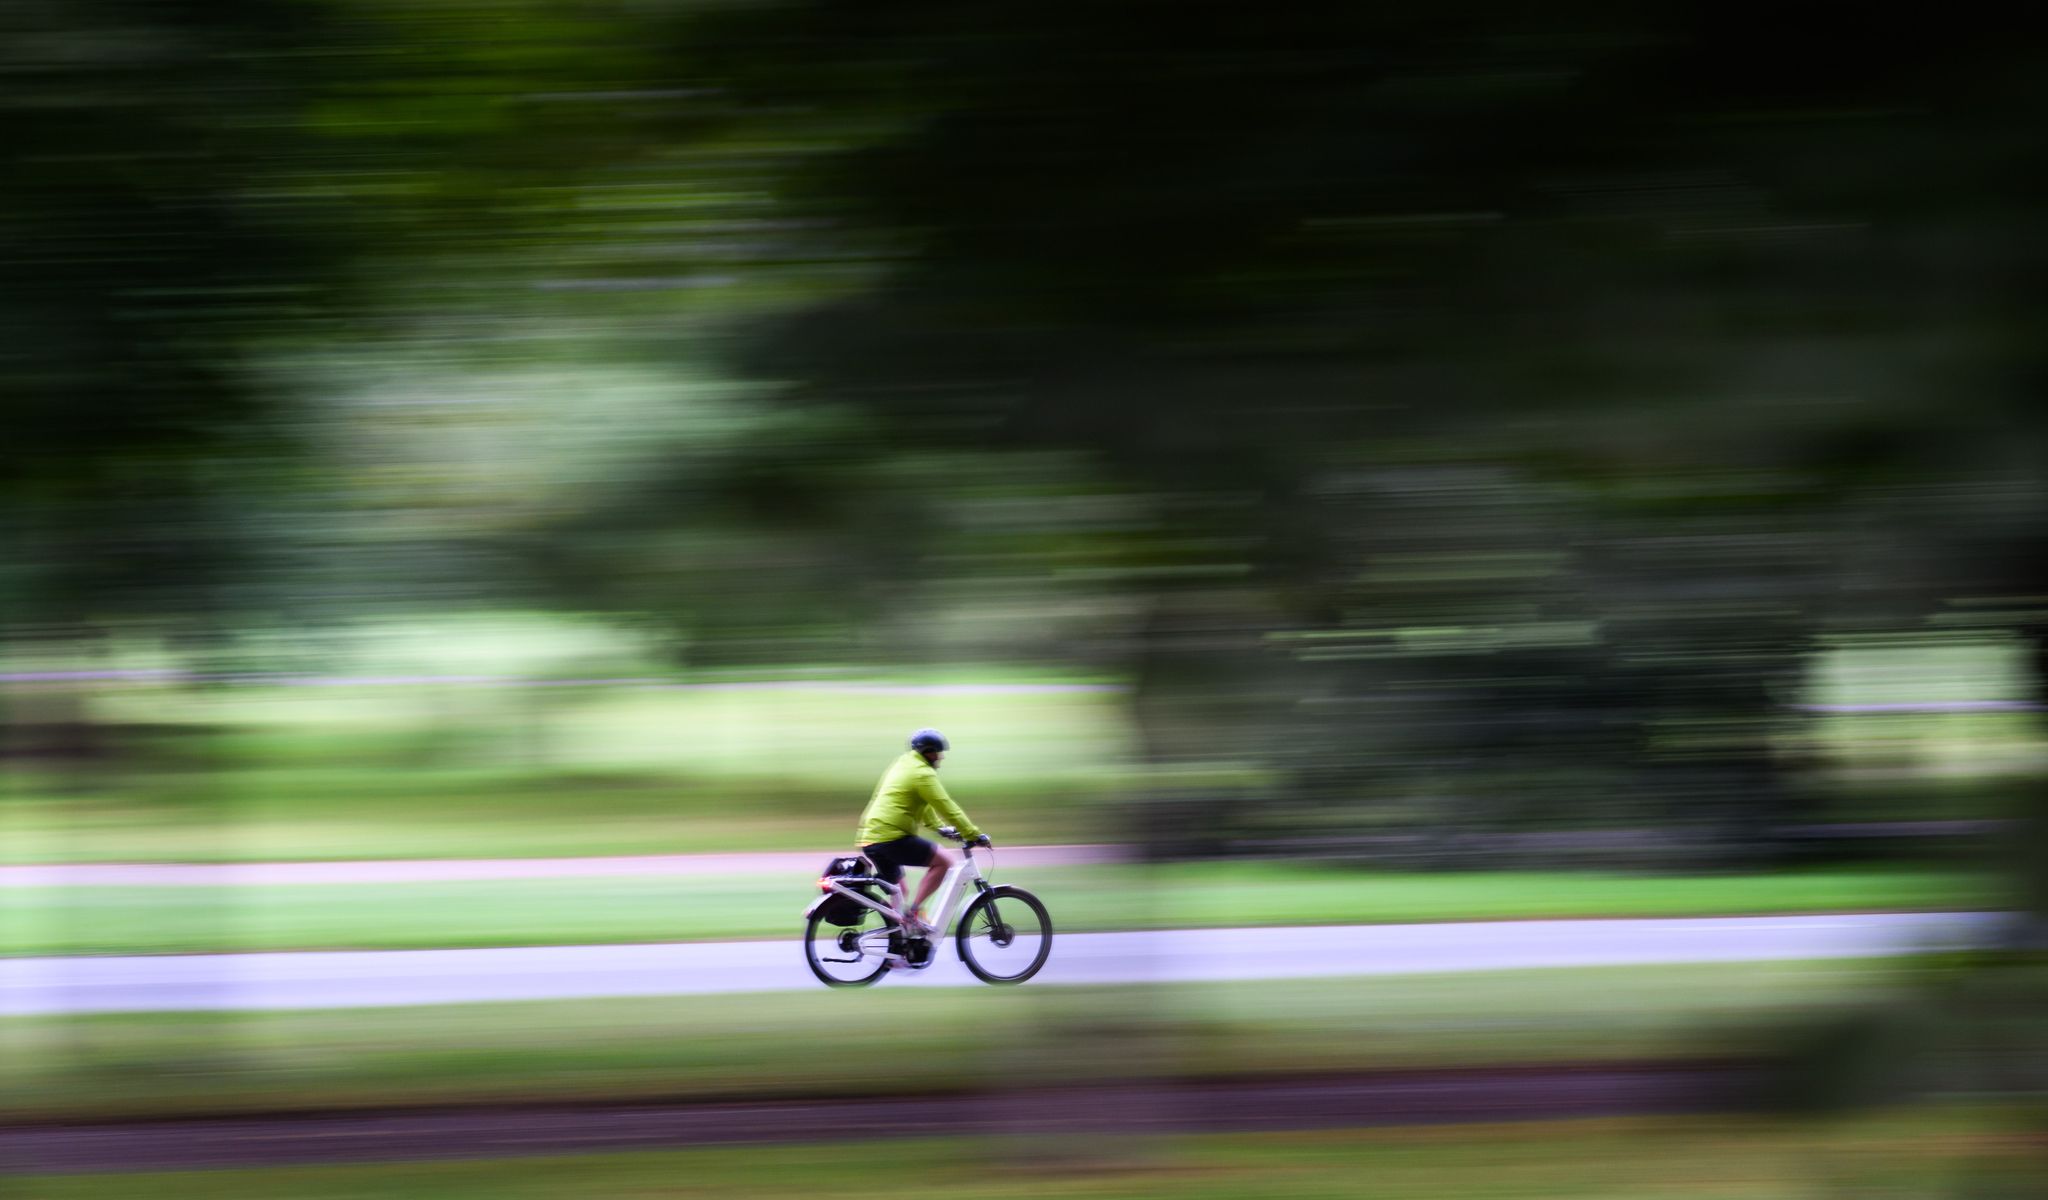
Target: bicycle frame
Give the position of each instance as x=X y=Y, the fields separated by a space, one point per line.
x=963 y=873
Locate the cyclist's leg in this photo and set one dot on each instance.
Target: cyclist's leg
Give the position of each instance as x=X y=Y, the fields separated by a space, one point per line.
x=888 y=870
x=934 y=873
x=911 y=851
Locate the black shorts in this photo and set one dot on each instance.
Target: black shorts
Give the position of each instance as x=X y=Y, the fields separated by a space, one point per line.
x=891 y=857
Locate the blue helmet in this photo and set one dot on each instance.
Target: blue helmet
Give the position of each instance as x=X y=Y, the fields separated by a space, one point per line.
x=928 y=741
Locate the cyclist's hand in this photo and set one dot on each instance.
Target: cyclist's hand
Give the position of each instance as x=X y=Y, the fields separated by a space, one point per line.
x=949 y=833
x=980 y=839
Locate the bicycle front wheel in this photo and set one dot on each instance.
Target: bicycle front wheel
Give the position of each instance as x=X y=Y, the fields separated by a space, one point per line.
x=1005 y=936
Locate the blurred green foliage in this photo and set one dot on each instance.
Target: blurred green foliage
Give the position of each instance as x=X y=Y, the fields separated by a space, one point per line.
x=1915 y=1152
x=1451 y=422
x=1462 y=420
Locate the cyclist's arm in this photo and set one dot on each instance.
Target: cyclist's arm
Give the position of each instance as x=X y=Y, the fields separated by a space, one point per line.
x=933 y=793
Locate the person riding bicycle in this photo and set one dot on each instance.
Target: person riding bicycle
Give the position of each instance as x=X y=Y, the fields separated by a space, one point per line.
x=909 y=796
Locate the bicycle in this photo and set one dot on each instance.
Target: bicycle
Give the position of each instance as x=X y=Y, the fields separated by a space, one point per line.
x=1003 y=936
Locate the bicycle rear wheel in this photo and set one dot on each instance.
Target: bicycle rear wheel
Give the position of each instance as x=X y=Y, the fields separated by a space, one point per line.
x=848 y=955
x=1005 y=936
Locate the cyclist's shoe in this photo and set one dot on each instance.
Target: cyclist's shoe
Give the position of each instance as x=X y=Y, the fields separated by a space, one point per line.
x=915 y=926
x=896 y=962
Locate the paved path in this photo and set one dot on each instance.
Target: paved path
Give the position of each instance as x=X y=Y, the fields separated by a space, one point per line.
x=798 y=863
x=361 y=979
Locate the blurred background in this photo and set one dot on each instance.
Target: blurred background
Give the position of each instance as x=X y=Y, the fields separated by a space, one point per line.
x=1324 y=465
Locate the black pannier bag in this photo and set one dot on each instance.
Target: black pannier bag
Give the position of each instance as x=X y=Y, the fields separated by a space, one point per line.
x=844 y=910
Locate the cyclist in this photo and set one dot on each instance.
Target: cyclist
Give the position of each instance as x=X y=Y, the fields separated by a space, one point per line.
x=908 y=796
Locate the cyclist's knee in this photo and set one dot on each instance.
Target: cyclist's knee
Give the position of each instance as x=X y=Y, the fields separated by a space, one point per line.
x=943 y=860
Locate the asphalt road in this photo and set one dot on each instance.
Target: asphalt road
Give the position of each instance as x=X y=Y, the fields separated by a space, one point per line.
x=362 y=979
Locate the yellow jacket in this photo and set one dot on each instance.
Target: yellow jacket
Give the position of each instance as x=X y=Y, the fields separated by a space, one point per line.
x=910 y=795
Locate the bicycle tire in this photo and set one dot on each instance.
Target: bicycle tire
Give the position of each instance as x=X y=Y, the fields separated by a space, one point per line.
x=984 y=912
x=811 y=960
